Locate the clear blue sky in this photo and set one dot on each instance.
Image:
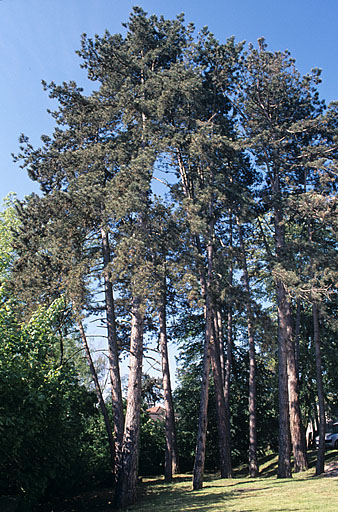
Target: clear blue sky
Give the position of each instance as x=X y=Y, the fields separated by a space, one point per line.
x=38 y=39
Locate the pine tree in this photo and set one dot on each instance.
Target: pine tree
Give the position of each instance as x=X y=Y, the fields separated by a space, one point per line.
x=134 y=67
x=274 y=103
x=201 y=154
x=102 y=159
x=315 y=211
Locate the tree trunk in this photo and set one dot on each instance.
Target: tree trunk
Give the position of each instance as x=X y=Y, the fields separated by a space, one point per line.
x=229 y=348
x=297 y=431
x=288 y=381
x=114 y=369
x=222 y=420
x=321 y=403
x=220 y=340
x=203 y=416
x=285 y=336
x=228 y=365
x=297 y=333
x=99 y=395
x=284 y=457
x=253 y=460
x=171 y=455
x=206 y=289
x=127 y=478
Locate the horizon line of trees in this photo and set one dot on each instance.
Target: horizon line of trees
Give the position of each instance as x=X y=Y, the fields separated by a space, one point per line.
x=241 y=248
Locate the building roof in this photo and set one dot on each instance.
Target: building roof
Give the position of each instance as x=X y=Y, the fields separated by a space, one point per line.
x=156 y=413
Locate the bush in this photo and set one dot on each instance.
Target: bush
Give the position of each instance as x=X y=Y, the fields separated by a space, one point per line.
x=48 y=420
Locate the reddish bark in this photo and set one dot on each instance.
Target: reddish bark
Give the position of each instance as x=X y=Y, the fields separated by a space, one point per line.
x=127 y=477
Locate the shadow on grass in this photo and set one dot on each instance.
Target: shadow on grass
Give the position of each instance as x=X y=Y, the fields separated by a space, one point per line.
x=159 y=496
x=269 y=464
x=330 y=455
x=220 y=494
x=173 y=498
x=177 y=498
x=265 y=468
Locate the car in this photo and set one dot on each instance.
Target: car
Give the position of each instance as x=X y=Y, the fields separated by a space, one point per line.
x=331 y=437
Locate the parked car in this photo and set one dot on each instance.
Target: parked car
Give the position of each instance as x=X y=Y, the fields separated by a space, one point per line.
x=331 y=437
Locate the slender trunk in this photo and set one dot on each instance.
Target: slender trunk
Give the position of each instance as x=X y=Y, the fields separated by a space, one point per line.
x=296 y=427
x=127 y=478
x=228 y=362
x=321 y=420
x=284 y=456
x=285 y=335
x=211 y=350
x=228 y=366
x=205 y=284
x=222 y=420
x=206 y=289
x=203 y=418
x=297 y=332
x=99 y=394
x=61 y=348
x=217 y=362
x=171 y=455
x=117 y=403
x=297 y=356
x=220 y=340
x=321 y=405
x=297 y=431
x=253 y=460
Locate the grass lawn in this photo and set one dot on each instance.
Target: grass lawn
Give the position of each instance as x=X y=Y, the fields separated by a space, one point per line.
x=304 y=492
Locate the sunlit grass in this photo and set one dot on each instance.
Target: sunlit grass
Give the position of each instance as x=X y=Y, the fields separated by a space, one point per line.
x=304 y=492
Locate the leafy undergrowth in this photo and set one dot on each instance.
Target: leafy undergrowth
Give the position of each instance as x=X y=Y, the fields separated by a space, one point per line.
x=303 y=493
